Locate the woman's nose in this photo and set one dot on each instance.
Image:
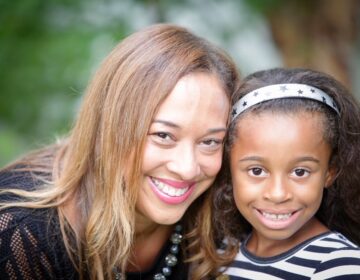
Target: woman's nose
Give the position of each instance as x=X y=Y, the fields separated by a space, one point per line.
x=184 y=162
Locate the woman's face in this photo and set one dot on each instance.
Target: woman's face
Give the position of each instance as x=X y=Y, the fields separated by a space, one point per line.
x=184 y=147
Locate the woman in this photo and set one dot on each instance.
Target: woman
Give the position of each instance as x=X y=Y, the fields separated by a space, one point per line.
x=147 y=145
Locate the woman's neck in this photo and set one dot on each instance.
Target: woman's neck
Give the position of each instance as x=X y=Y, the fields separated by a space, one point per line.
x=148 y=241
x=71 y=213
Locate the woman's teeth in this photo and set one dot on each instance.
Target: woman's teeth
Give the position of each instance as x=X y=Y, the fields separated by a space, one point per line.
x=171 y=191
x=276 y=217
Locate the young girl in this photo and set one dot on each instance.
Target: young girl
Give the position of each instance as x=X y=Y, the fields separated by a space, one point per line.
x=294 y=154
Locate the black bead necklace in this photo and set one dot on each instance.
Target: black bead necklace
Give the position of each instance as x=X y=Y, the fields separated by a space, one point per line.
x=171 y=259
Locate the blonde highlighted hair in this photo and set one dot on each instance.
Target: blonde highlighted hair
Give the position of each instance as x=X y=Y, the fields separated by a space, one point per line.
x=106 y=145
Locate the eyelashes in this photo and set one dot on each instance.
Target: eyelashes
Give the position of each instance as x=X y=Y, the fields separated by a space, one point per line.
x=168 y=140
x=262 y=172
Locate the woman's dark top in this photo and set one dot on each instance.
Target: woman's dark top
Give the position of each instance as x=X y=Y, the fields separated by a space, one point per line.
x=31 y=243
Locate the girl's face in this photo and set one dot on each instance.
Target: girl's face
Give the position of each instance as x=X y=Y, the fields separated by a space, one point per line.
x=184 y=148
x=279 y=166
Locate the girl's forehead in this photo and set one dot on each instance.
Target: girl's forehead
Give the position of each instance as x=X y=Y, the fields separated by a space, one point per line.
x=270 y=134
x=270 y=113
x=268 y=119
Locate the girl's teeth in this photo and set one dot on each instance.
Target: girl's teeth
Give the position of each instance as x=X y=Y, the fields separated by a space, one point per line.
x=168 y=189
x=276 y=217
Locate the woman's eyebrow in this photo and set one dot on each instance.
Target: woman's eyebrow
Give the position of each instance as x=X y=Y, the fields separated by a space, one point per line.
x=167 y=123
x=171 y=124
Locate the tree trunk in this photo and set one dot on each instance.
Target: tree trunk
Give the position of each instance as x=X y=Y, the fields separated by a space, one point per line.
x=317 y=34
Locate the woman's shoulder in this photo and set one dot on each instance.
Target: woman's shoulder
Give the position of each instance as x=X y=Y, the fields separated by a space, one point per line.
x=15 y=179
x=31 y=242
x=21 y=177
x=31 y=169
x=14 y=218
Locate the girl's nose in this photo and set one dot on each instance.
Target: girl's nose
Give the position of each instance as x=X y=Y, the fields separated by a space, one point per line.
x=277 y=190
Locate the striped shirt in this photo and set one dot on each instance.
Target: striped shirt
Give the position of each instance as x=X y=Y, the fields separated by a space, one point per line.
x=326 y=256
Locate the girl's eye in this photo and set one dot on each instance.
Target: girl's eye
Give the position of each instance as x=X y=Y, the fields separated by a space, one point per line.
x=300 y=172
x=257 y=172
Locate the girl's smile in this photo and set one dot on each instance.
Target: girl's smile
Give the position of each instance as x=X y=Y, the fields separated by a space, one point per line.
x=279 y=166
x=277 y=220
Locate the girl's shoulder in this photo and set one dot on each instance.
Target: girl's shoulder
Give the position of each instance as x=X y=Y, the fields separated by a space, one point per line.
x=334 y=241
x=341 y=261
x=315 y=258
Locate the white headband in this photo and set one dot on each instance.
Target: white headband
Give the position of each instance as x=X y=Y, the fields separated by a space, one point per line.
x=282 y=91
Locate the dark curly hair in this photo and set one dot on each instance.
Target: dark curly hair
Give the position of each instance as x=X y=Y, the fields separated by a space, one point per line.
x=340 y=207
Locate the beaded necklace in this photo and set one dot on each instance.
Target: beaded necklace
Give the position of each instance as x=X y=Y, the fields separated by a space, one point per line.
x=171 y=259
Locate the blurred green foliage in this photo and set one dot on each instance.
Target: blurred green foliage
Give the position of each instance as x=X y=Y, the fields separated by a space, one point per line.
x=263 y=6
x=47 y=51
x=50 y=48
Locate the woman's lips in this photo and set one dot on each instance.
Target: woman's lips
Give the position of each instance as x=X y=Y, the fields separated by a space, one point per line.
x=172 y=192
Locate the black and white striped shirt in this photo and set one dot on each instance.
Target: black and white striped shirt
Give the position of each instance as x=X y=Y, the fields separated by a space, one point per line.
x=326 y=256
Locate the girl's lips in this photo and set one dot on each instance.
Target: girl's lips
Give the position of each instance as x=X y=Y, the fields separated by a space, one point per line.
x=277 y=212
x=277 y=219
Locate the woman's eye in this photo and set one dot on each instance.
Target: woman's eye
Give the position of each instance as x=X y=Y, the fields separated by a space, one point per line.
x=257 y=171
x=162 y=138
x=212 y=144
x=300 y=172
x=162 y=135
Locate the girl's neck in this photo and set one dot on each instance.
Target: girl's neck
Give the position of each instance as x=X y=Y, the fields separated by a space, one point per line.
x=266 y=247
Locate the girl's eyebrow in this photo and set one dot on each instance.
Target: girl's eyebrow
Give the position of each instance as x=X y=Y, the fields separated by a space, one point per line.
x=251 y=158
x=300 y=159
x=174 y=125
x=307 y=158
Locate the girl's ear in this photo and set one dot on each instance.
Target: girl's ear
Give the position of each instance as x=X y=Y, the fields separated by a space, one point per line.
x=331 y=175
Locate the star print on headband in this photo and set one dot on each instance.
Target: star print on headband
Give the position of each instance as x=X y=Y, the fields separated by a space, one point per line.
x=282 y=91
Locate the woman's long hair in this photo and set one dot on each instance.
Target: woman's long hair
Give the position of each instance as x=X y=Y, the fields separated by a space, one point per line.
x=99 y=164
x=340 y=206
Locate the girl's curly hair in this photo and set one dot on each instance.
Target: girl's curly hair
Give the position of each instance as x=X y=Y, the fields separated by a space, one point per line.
x=340 y=206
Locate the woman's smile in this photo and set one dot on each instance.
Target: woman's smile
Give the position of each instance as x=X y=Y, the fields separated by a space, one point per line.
x=172 y=192
x=183 y=152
